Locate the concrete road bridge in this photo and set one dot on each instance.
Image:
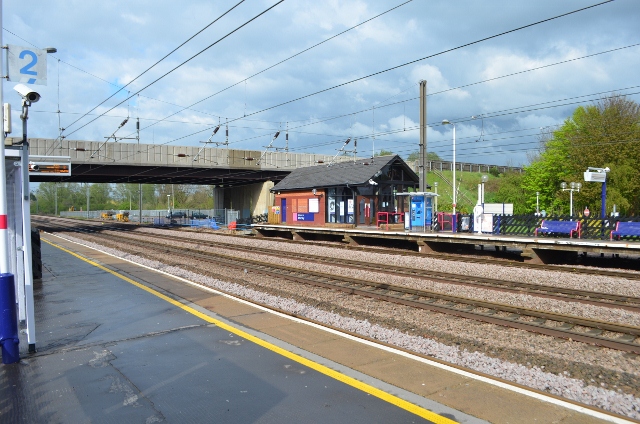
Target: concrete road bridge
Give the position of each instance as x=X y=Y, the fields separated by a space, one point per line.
x=100 y=162
x=117 y=162
x=242 y=179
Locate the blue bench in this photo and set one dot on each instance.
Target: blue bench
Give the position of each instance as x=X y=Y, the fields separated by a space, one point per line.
x=626 y=229
x=559 y=227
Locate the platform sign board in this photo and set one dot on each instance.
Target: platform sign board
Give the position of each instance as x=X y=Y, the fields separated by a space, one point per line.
x=27 y=65
x=498 y=208
x=55 y=166
x=595 y=177
x=50 y=168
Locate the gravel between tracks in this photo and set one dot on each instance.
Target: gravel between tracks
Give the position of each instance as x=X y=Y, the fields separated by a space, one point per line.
x=514 y=355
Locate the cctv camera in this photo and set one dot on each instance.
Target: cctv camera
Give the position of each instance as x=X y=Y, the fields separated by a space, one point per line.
x=27 y=93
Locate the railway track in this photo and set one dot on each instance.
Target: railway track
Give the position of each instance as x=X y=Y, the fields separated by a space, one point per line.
x=558 y=293
x=73 y=224
x=612 y=335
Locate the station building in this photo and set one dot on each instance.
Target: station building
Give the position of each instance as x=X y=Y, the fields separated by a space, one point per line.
x=345 y=194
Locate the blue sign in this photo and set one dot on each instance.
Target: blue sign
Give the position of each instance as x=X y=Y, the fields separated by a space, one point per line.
x=305 y=216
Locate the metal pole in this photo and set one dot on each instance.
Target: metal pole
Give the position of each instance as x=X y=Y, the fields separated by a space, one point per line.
x=26 y=234
x=88 y=195
x=435 y=185
x=423 y=136
x=454 y=223
x=571 y=203
x=139 y=184
x=604 y=199
x=56 y=201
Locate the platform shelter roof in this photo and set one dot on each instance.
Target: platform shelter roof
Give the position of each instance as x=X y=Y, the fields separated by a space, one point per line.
x=352 y=173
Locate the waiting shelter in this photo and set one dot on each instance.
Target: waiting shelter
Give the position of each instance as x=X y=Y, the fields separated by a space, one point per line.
x=345 y=194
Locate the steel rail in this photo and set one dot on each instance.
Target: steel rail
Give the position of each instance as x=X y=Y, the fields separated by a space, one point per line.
x=558 y=293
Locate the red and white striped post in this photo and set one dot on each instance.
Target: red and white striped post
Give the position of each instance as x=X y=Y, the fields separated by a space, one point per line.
x=8 y=313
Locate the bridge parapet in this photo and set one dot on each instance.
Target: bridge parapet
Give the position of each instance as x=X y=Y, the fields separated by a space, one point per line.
x=133 y=154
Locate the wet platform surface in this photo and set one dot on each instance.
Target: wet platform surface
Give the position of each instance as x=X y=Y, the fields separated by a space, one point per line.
x=110 y=351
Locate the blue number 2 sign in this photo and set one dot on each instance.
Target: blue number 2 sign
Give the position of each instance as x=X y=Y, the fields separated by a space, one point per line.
x=27 y=65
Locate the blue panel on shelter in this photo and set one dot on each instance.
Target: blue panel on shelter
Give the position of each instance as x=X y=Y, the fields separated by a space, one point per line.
x=305 y=216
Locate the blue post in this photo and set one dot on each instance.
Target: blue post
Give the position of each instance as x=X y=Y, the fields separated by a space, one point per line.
x=604 y=199
x=8 y=320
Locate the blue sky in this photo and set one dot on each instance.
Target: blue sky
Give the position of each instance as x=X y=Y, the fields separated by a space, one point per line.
x=104 y=45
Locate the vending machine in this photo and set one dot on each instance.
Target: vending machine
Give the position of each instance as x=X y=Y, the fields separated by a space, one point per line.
x=421 y=210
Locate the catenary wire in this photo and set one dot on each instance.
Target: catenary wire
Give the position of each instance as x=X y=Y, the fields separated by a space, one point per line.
x=160 y=60
x=183 y=63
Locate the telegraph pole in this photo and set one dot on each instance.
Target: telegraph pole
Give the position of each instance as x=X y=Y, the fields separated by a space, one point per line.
x=423 y=136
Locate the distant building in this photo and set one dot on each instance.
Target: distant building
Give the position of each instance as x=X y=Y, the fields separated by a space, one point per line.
x=345 y=194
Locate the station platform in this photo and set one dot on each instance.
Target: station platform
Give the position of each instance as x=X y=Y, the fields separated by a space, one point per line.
x=118 y=342
x=539 y=249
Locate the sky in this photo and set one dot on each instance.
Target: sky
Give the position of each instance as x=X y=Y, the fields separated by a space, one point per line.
x=491 y=89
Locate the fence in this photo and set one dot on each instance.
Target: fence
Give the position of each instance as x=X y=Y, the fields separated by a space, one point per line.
x=525 y=225
x=149 y=216
x=592 y=228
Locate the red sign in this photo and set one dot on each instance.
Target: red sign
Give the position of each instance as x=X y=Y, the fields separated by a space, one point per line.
x=586 y=211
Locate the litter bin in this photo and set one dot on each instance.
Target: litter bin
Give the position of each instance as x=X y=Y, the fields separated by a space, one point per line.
x=465 y=223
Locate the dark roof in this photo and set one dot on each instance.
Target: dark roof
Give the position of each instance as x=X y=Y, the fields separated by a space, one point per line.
x=340 y=174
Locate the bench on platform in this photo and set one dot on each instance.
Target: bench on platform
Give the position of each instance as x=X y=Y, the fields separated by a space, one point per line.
x=559 y=227
x=626 y=229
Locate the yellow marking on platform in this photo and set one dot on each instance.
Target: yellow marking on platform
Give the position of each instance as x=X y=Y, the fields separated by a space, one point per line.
x=394 y=400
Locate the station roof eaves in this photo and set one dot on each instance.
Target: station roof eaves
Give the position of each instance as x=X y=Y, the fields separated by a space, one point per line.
x=339 y=174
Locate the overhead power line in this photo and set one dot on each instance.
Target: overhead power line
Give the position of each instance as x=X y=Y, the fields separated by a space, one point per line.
x=386 y=70
x=160 y=60
x=182 y=64
x=284 y=60
x=424 y=58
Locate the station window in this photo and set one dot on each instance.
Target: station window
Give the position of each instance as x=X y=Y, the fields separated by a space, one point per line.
x=340 y=205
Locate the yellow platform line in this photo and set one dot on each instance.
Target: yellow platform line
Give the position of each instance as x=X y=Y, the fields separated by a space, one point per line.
x=394 y=400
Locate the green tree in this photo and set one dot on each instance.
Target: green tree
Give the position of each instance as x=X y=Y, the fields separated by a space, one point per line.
x=511 y=190
x=414 y=156
x=602 y=135
x=384 y=152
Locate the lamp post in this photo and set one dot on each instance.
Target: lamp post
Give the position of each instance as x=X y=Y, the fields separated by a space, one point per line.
x=537 y=203
x=168 y=203
x=484 y=179
x=572 y=187
x=454 y=223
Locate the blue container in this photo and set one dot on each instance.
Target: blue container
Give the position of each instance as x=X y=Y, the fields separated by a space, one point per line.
x=9 y=340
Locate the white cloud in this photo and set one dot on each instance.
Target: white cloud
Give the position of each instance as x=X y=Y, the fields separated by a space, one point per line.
x=133 y=18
